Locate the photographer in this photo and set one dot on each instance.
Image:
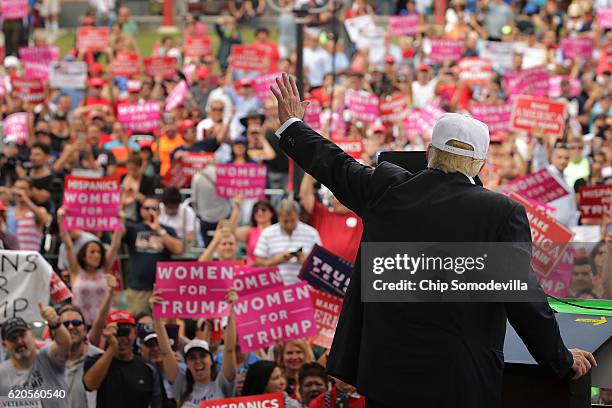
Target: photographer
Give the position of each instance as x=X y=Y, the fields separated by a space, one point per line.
x=121 y=378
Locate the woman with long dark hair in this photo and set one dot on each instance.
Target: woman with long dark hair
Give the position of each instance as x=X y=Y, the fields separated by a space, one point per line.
x=265 y=377
x=262 y=216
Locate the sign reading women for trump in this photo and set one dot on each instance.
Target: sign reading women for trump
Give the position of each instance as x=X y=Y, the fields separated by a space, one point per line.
x=25 y=279
x=539 y=186
x=273 y=400
x=249 y=280
x=247 y=180
x=193 y=289
x=327 y=312
x=282 y=313
x=16 y=128
x=326 y=271
x=92 y=204
x=139 y=117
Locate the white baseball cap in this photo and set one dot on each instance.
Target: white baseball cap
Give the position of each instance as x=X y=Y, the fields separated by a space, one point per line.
x=462 y=128
x=197 y=343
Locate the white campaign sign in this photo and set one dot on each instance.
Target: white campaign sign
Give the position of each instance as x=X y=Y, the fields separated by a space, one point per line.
x=68 y=74
x=24 y=281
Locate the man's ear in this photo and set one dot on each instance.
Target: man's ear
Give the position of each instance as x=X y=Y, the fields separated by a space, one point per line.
x=427 y=154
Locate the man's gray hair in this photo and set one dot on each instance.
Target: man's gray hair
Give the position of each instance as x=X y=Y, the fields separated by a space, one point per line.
x=288 y=207
x=451 y=163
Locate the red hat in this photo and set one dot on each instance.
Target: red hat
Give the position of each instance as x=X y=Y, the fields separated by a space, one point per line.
x=244 y=82
x=389 y=59
x=89 y=21
x=423 y=67
x=378 y=128
x=96 y=82
x=2 y=206
x=95 y=114
x=121 y=317
x=497 y=137
x=186 y=124
x=96 y=68
x=202 y=72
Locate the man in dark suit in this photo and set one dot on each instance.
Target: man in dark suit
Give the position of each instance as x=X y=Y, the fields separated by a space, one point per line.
x=433 y=354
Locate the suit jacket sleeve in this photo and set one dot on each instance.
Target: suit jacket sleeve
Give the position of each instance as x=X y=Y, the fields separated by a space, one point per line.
x=349 y=180
x=535 y=322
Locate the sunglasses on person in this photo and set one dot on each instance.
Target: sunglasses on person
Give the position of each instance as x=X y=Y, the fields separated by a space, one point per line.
x=74 y=323
x=156 y=208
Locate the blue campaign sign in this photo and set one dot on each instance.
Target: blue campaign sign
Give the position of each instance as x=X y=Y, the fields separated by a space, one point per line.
x=327 y=272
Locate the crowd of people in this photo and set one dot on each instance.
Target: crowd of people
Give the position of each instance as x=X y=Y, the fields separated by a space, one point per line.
x=104 y=347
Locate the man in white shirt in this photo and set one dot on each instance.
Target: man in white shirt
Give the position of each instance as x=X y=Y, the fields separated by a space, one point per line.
x=287 y=243
x=424 y=88
x=567 y=212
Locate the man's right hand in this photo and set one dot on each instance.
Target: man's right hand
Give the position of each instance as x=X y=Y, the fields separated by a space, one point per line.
x=583 y=361
x=110 y=335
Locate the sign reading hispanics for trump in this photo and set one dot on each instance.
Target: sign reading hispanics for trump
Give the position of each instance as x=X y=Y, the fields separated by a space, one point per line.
x=92 y=204
x=278 y=314
x=351 y=146
x=247 y=180
x=327 y=312
x=529 y=112
x=540 y=186
x=595 y=202
x=193 y=289
x=326 y=271
x=550 y=239
x=272 y=400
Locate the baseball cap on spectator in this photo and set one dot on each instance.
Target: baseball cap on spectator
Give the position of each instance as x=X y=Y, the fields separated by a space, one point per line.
x=186 y=124
x=378 y=128
x=96 y=82
x=462 y=128
x=89 y=21
x=121 y=317
x=253 y=113
x=149 y=336
x=241 y=140
x=96 y=68
x=197 y=344
x=497 y=137
x=11 y=62
x=423 y=67
x=389 y=59
x=13 y=325
x=202 y=72
x=95 y=114
x=2 y=206
x=244 y=82
x=134 y=86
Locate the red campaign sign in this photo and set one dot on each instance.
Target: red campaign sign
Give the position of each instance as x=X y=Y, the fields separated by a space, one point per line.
x=58 y=290
x=605 y=61
x=249 y=58
x=577 y=48
x=550 y=239
x=475 y=71
x=198 y=46
x=393 y=109
x=312 y=117
x=126 y=64
x=327 y=312
x=529 y=112
x=182 y=170
x=403 y=25
x=352 y=147
x=164 y=67
x=495 y=115
x=93 y=38
x=540 y=186
x=595 y=202
x=115 y=270
x=273 y=400
x=443 y=49
x=30 y=90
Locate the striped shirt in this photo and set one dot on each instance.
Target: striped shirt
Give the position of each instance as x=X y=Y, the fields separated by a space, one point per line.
x=28 y=233
x=274 y=241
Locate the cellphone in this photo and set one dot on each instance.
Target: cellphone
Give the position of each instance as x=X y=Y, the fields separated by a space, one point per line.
x=295 y=253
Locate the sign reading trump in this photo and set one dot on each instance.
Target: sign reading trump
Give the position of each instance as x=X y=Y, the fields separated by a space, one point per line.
x=247 y=180
x=92 y=204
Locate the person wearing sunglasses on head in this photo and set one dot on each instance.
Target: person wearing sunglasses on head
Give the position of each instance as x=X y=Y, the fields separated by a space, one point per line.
x=148 y=242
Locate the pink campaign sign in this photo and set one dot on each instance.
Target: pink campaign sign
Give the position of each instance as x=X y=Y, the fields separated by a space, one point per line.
x=177 y=96
x=443 y=49
x=37 y=70
x=139 y=117
x=557 y=282
x=362 y=105
x=604 y=17
x=92 y=203
x=16 y=128
x=39 y=54
x=554 y=86
x=193 y=289
x=247 y=180
x=263 y=82
x=248 y=280
x=577 y=48
x=495 y=115
x=312 y=117
x=532 y=81
x=13 y=9
x=403 y=25
x=282 y=313
x=540 y=186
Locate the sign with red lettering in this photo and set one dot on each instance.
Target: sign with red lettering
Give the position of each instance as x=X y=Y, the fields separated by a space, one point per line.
x=549 y=238
x=249 y=58
x=282 y=313
x=529 y=112
x=540 y=186
x=163 y=67
x=197 y=46
x=595 y=202
x=92 y=204
x=352 y=147
x=184 y=168
x=327 y=312
x=273 y=400
x=126 y=64
x=93 y=38
x=475 y=71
